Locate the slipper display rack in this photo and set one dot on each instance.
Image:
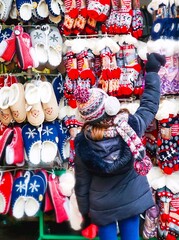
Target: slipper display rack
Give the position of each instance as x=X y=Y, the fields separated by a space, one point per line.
x=47 y=49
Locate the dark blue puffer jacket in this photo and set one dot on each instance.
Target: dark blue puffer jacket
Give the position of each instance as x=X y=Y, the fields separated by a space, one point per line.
x=114 y=191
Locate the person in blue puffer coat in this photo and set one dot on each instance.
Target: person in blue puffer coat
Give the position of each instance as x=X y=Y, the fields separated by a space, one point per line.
x=110 y=163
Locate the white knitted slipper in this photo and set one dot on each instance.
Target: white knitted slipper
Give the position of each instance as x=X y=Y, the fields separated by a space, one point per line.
x=35 y=113
x=38 y=40
x=24 y=8
x=5 y=7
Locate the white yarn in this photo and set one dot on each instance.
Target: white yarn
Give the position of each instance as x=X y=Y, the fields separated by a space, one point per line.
x=112 y=105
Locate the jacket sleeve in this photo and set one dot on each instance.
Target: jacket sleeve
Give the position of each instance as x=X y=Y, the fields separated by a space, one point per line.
x=82 y=186
x=149 y=103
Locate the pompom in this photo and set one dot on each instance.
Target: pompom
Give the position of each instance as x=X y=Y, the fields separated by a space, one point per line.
x=144 y=166
x=112 y=106
x=81 y=94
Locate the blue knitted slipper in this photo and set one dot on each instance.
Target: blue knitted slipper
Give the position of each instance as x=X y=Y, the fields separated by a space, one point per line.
x=49 y=142
x=32 y=143
x=41 y=10
x=54 y=7
x=25 y=9
x=35 y=195
x=18 y=198
x=63 y=135
x=58 y=86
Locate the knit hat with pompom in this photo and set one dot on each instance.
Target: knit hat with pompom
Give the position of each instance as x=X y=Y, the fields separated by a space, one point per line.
x=94 y=104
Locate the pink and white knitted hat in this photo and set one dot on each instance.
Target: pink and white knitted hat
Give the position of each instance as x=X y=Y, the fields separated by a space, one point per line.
x=93 y=104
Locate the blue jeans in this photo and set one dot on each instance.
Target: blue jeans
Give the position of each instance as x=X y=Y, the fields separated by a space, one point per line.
x=129 y=230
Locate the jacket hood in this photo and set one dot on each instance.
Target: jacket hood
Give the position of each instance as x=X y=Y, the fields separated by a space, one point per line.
x=105 y=157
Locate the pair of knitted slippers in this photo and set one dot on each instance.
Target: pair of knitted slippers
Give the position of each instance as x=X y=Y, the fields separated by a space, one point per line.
x=12 y=104
x=19 y=42
x=39 y=9
x=39 y=142
x=47 y=44
x=28 y=194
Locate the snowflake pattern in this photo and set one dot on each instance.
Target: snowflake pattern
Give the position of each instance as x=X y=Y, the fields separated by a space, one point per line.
x=38 y=35
x=34 y=187
x=54 y=38
x=20 y=187
x=60 y=87
x=31 y=133
x=5 y=35
x=47 y=131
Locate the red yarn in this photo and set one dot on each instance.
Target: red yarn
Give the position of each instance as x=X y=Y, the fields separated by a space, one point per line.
x=106 y=74
x=72 y=103
x=115 y=73
x=170 y=237
x=88 y=74
x=73 y=13
x=73 y=74
x=164 y=217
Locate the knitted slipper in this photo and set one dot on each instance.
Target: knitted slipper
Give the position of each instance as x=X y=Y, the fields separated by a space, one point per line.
x=17 y=102
x=63 y=136
x=19 y=195
x=5 y=33
x=5 y=113
x=5 y=139
x=35 y=195
x=32 y=143
x=24 y=49
x=47 y=203
x=42 y=9
x=48 y=100
x=2 y=128
x=54 y=48
x=6 y=183
x=25 y=9
x=35 y=113
x=13 y=12
x=49 y=142
x=7 y=47
x=38 y=39
x=5 y=9
x=15 y=150
x=6 y=116
x=7 y=81
x=54 y=7
x=58 y=199
x=58 y=87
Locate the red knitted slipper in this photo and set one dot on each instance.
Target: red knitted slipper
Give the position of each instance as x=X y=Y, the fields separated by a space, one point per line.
x=15 y=150
x=9 y=48
x=23 y=46
x=58 y=199
x=6 y=183
x=5 y=139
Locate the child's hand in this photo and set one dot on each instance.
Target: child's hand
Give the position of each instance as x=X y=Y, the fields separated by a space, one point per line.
x=155 y=61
